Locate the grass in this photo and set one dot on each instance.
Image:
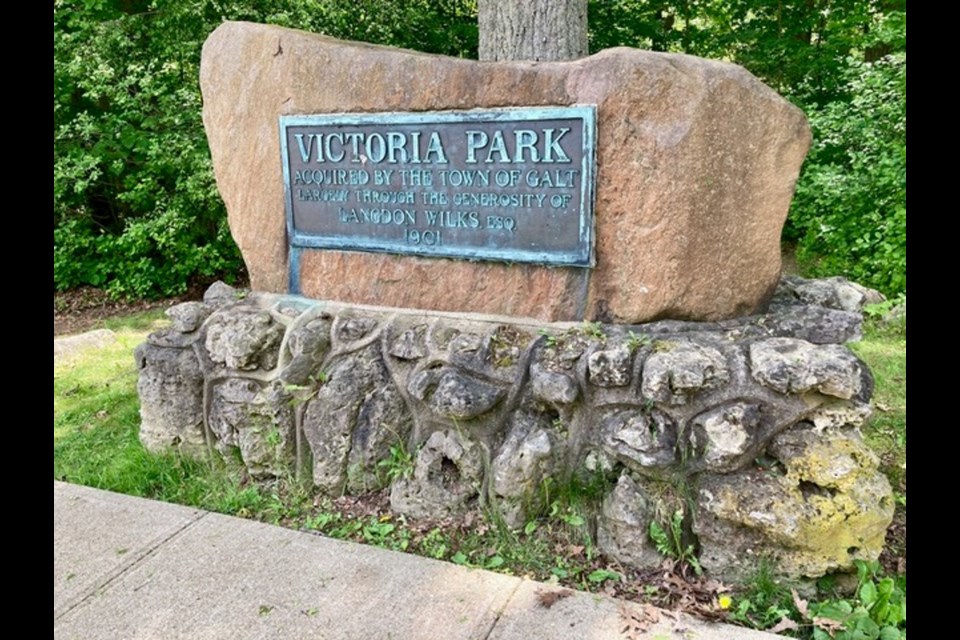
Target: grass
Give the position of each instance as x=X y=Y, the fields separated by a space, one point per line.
x=884 y=349
x=96 y=419
x=96 y=422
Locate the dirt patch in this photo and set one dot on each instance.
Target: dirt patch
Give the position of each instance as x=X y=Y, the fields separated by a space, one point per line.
x=893 y=558
x=788 y=258
x=86 y=308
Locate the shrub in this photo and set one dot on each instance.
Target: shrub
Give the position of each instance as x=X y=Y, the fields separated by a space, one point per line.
x=135 y=207
x=849 y=213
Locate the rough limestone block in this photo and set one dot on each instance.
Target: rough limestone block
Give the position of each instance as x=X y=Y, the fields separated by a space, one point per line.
x=528 y=457
x=696 y=164
x=724 y=436
x=823 y=507
x=447 y=478
x=623 y=528
x=244 y=340
x=257 y=421
x=643 y=440
x=170 y=388
x=789 y=365
x=678 y=369
x=351 y=422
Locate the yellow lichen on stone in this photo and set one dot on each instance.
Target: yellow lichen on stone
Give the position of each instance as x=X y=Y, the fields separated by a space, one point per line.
x=830 y=507
x=833 y=463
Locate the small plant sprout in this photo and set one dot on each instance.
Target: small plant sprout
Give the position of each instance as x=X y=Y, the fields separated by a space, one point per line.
x=594 y=330
x=399 y=464
x=559 y=425
x=550 y=339
x=303 y=393
x=602 y=575
x=669 y=541
x=636 y=342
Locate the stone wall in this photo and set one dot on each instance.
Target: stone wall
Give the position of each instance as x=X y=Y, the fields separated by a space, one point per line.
x=752 y=421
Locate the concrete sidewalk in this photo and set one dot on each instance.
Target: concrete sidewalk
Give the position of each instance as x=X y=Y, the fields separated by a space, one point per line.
x=126 y=567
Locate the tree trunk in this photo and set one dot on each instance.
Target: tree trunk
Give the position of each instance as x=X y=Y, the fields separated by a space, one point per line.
x=532 y=29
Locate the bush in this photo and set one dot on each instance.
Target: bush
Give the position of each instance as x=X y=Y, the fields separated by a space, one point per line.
x=849 y=214
x=136 y=210
x=135 y=206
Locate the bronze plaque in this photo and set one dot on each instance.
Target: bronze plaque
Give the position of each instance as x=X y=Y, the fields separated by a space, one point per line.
x=512 y=185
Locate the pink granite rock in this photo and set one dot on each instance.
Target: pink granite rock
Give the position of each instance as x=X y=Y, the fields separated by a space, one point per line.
x=696 y=165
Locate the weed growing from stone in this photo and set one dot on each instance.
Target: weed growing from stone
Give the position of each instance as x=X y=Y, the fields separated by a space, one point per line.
x=549 y=339
x=669 y=541
x=399 y=465
x=593 y=330
x=636 y=342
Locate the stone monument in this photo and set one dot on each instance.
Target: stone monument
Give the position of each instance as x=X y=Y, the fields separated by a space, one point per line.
x=696 y=164
x=523 y=274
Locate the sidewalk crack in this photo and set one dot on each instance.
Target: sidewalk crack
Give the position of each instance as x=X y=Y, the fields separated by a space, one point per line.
x=499 y=612
x=126 y=567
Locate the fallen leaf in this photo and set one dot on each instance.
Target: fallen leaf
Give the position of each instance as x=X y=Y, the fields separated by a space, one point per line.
x=637 y=619
x=800 y=603
x=827 y=624
x=549 y=598
x=785 y=624
x=715 y=586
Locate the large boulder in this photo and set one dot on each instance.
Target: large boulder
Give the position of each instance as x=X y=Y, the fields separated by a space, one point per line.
x=696 y=165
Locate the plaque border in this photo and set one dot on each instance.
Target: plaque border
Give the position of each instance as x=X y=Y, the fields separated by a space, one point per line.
x=584 y=254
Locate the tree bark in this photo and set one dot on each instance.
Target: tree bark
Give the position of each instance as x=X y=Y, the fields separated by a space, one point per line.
x=532 y=29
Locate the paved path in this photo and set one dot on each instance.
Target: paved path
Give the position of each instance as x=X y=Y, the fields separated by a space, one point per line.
x=129 y=568
x=66 y=348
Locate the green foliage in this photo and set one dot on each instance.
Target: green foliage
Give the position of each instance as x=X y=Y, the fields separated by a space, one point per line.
x=135 y=206
x=876 y=611
x=599 y=576
x=844 y=63
x=400 y=464
x=635 y=342
x=669 y=541
x=136 y=211
x=849 y=214
x=879 y=312
x=764 y=602
x=593 y=330
x=795 y=46
x=549 y=339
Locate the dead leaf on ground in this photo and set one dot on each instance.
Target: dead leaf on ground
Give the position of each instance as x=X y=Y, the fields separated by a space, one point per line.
x=637 y=619
x=828 y=624
x=785 y=624
x=800 y=603
x=549 y=598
